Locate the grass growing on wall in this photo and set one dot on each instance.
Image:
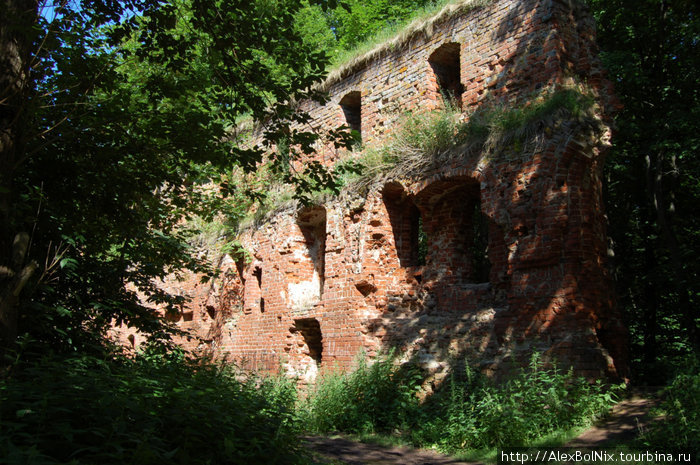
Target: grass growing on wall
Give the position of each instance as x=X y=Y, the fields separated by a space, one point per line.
x=424 y=141
x=387 y=34
x=428 y=140
x=398 y=32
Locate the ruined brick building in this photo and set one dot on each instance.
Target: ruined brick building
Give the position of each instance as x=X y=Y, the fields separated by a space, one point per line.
x=515 y=235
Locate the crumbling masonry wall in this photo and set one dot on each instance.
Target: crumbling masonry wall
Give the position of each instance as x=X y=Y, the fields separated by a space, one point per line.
x=489 y=257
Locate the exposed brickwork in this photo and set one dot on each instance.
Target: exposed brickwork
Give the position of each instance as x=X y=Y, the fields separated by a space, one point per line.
x=515 y=239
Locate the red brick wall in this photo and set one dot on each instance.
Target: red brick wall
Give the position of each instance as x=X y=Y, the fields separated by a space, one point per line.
x=352 y=264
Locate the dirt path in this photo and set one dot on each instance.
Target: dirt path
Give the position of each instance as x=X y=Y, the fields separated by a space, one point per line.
x=341 y=450
x=627 y=419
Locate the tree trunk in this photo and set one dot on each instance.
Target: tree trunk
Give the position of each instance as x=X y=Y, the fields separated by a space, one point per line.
x=671 y=243
x=662 y=179
x=17 y=18
x=651 y=291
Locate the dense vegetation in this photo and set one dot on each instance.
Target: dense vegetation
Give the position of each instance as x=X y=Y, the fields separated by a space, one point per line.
x=653 y=189
x=151 y=409
x=115 y=116
x=681 y=405
x=467 y=412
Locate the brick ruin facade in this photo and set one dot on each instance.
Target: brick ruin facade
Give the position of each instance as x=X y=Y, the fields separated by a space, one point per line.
x=514 y=247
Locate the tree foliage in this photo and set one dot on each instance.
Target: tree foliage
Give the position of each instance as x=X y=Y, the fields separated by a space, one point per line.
x=116 y=115
x=353 y=22
x=361 y=20
x=651 y=50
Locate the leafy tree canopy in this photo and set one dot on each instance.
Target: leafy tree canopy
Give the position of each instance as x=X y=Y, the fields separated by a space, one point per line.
x=117 y=114
x=354 y=22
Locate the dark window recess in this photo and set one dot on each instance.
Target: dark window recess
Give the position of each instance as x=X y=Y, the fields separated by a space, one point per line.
x=479 y=244
x=257 y=272
x=457 y=223
x=352 y=109
x=310 y=330
x=211 y=311
x=240 y=267
x=419 y=240
x=446 y=66
x=407 y=225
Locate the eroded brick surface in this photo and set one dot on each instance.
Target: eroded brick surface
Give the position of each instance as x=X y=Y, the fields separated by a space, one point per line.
x=488 y=257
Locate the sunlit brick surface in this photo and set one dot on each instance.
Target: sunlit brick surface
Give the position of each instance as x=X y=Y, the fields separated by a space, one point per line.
x=330 y=281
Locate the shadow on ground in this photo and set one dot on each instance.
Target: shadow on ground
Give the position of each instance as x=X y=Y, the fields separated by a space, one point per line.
x=360 y=453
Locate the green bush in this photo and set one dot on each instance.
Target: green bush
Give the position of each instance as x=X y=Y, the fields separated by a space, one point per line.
x=681 y=425
x=376 y=397
x=147 y=410
x=470 y=412
x=475 y=413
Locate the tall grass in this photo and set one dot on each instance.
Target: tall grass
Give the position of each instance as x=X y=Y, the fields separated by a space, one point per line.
x=375 y=397
x=468 y=412
x=473 y=413
x=153 y=409
x=147 y=410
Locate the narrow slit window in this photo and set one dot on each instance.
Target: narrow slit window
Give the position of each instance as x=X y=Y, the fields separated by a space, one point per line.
x=479 y=244
x=352 y=109
x=258 y=277
x=312 y=223
x=419 y=239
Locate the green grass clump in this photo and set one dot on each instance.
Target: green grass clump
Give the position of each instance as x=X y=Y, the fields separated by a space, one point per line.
x=499 y=119
x=473 y=413
x=376 y=397
x=146 y=410
x=427 y=133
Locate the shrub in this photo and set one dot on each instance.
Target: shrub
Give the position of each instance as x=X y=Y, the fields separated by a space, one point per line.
x=681 y=426
x=147 y=410
x=376 y=397
x=470 y=412
x=475 y=413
